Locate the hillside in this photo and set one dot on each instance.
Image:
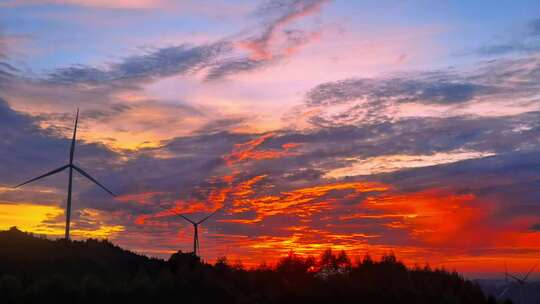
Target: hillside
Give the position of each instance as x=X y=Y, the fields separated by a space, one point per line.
x=37 y=270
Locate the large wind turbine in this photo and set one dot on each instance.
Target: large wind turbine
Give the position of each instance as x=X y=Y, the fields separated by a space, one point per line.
x=196 y=248
x=522 y=281
x=71 y=166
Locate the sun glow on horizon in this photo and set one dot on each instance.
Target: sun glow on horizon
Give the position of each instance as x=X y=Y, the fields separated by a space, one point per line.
x=48 y=220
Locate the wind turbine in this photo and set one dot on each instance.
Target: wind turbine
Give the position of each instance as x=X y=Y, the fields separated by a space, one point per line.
x=522 y=281
x=71 y=166
x=196 y=248
x=506 y=283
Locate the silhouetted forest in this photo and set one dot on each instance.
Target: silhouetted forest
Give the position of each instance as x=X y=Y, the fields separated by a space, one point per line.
x=38 y=270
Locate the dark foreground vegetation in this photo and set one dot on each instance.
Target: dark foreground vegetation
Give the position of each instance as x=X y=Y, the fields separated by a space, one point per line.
x=37 y=270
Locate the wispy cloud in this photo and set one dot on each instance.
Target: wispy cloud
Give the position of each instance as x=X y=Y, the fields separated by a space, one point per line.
x=222 y=125
x=8 y=72
x=274 y=40
x=437 y=87
x=234 y=66
x=154 y=64
x=280 y=14
x=366 y=100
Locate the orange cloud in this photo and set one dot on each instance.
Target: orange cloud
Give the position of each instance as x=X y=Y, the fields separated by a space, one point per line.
x=436 y=216
x=245 y=189
x=437 y=225
x=248 y=151
x=180 y=207
x=433 y=218
x=301 y=202
x=141 y=198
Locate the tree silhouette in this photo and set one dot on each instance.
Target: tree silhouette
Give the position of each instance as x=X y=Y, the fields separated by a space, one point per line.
x=37 y=270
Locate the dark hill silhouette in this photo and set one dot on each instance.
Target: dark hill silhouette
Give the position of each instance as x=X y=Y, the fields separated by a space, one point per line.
x=38 y=270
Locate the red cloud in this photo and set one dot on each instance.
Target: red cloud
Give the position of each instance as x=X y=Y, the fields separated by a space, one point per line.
x=248 y=151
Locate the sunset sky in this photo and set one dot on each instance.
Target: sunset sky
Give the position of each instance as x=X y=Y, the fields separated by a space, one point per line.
x=368 y=126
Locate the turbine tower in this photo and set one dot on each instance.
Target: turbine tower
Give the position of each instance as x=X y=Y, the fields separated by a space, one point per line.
x=196 y=248
x=521 y=282
x=71 y=166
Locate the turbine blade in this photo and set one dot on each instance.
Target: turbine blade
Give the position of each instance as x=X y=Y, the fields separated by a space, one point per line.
x=44 y=175
x=72 y=150
x=187 y=219
x=528 y=273
x=515 y=278
x=204 y=219
x=82 y=172
x=503 y=293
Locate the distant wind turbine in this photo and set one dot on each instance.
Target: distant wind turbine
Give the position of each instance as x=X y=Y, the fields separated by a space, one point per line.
x=506 y=283
x=71 y=166
x=196 y=248
x=522 y=281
